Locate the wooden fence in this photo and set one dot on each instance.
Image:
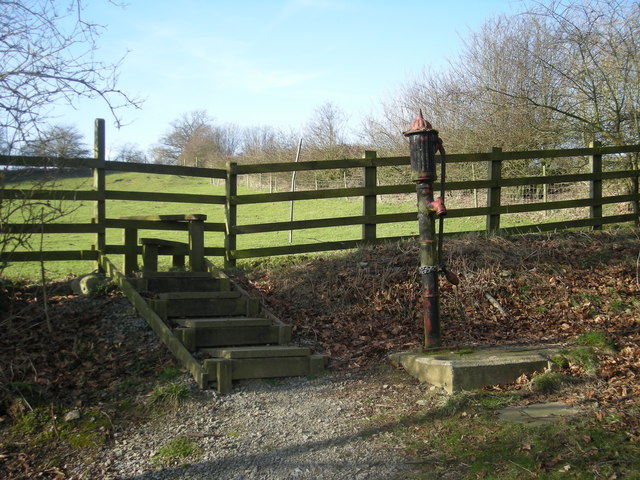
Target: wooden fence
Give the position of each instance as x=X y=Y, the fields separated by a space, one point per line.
x=493 y=184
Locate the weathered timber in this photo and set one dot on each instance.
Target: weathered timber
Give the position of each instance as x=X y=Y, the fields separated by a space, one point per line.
x=219 y=307
x=160 y=242
x=257 y=352
x=223 y=322
x=275 y=367
x=194 y=338
x=191 y=295
x=50 y=256
x=183 y=284
x=325 y=222
x=555 y=226
x=155 y=322
x=46 y=194
x=49 y=228
x=164 y=197
x=167 y=218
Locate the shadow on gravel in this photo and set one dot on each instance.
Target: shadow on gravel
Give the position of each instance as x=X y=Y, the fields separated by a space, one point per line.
x=300 y=460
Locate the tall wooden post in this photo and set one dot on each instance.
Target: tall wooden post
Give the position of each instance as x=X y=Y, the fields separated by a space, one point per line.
x=494 y=192
x=99 y=183
x=231 y=215
x=369 y=202
x=595 y=186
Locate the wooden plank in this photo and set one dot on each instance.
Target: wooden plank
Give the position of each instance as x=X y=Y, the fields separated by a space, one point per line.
x=326 y=222
x=164 y=197
x=236 y=336
x=164 y=243
x=50 y=256
x=214 y=251
x=270 y=368
x=49 y=228
x=165 y=169
x=157 y=325
x=146 y=225
x=320 y=194
x=294 y=249
x=553 y=226
x=198 y=295
x=26 y=161
x=257 y=352
x=167 y=218
x=81 y=162
x=223 y=322
x=46 y=194
x=152 y=225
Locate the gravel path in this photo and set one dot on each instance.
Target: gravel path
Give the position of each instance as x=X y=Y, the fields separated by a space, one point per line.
x=290 y=428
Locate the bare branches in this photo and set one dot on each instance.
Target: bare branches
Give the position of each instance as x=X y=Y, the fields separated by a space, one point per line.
x=47 y=56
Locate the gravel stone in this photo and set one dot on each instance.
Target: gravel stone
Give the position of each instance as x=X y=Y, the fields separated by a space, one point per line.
x=274 y=429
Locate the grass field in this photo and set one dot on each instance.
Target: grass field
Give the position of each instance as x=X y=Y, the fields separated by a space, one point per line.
x=247 y=214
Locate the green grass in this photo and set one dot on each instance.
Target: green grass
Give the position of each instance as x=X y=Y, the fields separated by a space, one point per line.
x=247 y=214
x=464 y=439
x=175 y=451
x=170 y=395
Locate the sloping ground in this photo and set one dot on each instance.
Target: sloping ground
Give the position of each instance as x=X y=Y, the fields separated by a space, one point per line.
x=357 y=308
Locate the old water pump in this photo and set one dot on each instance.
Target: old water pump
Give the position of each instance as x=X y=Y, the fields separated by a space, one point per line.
x=424 y=142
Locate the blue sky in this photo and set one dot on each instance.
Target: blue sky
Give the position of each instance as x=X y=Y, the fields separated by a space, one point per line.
x=269 y=62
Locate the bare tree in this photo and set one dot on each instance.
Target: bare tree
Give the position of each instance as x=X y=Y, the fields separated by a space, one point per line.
x=327 y=130
x=130 y=152
x=48 y=50
x=62 y=141
x=195 y=140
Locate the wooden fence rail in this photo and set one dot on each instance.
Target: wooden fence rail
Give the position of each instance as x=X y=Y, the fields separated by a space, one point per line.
x=494 y=185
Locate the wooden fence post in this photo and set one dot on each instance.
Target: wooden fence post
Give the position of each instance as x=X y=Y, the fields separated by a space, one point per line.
x=130 y=258
x=99 y=183
x=494 y=192
x=231 y=215
x=369 y=202
x=595 y=186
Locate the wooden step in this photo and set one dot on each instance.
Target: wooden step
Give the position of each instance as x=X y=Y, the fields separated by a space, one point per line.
x=224 y=370
x=257 y=352
x=223 y=322
x=196 y=338
x=198 y=295
x=186 y=284
x=186 y=274
x=206 y=307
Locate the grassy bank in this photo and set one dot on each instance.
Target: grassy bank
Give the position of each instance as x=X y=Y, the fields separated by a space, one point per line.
x=82 y=212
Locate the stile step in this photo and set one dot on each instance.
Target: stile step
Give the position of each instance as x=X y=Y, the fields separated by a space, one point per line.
x=262 y=367
x=185 y=284
x=177 y=275
x=198 y=295
x=206 y=307
x=257 y=352
x=223 y=322
x=194 y=338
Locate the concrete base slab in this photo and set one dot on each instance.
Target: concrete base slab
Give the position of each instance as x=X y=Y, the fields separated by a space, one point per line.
x=470 y=369
x=538 y=413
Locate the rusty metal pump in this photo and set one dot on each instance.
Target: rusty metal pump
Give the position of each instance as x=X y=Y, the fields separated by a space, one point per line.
x=424 y=142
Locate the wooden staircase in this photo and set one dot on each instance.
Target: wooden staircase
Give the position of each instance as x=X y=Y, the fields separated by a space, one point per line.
x=231 y=333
